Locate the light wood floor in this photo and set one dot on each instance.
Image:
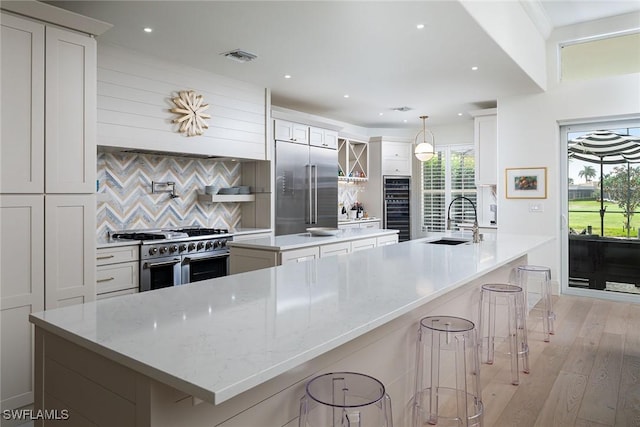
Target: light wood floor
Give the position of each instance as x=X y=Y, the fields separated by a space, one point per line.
x=588 y=375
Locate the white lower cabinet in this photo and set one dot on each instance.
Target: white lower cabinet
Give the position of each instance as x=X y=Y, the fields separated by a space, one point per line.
x=335 y=249
x=117 y=272
x=22 y=279
x=359 y=245
x=362 y=224
x=70 y=249
x=370 y=224
x=387 y=240
x=248 y=259
x=300 y=255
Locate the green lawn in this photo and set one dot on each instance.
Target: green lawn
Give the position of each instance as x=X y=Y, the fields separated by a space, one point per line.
x=613 y=218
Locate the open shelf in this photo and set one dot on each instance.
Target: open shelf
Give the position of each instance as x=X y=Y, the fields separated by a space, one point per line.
x=353 y=160
x=221 y=198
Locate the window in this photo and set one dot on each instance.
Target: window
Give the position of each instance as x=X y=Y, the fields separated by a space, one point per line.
x=448 y=175
x=620 y=200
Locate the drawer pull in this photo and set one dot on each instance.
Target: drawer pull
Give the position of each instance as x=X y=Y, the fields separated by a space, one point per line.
x=105 y=257
x=105 y=280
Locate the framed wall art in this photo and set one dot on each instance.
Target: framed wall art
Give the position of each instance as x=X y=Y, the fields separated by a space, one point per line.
x=526 y=183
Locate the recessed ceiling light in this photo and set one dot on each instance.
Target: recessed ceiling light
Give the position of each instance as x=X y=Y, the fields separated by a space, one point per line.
x=287 y=76
x=474 y=68
x=346 y=95
x=459 y=114
x=420 y=26
x=148 y=30
x=405 y=120
x=381 y=114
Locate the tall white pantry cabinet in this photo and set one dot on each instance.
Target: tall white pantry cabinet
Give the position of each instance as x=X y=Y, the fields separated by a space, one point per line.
x=47 y=185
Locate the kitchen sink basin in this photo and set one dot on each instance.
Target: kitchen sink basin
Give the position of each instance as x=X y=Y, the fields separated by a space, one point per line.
x=445 y=241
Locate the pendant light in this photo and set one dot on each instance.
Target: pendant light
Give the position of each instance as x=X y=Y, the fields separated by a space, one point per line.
x=424 y=150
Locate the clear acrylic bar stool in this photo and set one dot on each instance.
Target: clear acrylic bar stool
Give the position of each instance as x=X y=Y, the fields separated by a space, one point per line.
x=345 y=399
x=447 y=391
x=536 y=280
x=513 y=329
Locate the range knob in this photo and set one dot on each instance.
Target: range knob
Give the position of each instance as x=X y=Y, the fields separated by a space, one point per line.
x=173 y=248
x=209 y=245
x=192 y=246
x=216 y=244
x=163 y=250
x=183 y=247
x=200 y=245
x=153 y=251
x=223 y=243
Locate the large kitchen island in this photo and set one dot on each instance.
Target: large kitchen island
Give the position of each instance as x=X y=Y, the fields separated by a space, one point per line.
x=237 y=351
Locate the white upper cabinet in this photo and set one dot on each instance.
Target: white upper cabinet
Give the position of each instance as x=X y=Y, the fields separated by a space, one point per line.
x=396 y=158
x=292 y=132
x=323 y=138
x=486 y=146
x=70 y=152
x=22 y=110
x=48 y=109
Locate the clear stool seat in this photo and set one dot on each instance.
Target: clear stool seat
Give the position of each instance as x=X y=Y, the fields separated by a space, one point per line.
x=447 y=391
x=345 y=399
x=513 y=329
x=536 y=280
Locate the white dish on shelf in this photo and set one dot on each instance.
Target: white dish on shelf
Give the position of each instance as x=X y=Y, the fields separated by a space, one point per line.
x=323 y=231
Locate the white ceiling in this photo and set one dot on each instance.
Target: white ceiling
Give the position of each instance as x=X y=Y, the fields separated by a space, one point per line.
x=371 y=51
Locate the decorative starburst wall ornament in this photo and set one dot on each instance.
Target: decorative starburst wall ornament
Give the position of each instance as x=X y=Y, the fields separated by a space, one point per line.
x=191 y=108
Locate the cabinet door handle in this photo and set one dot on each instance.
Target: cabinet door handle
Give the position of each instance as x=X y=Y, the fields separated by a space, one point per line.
x=105 y=280
x=105 y=257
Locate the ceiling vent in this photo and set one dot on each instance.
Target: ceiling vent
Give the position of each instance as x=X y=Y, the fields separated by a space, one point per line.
x=240 y=55
x=402 y=109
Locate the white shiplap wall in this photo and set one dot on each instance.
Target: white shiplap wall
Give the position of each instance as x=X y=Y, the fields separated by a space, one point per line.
x=134 y=102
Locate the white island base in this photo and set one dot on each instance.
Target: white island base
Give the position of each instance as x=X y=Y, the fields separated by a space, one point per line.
x=80 y=366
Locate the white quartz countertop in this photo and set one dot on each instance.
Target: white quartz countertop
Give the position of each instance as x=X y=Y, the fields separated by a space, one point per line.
x=303 y=240
x=218 y=338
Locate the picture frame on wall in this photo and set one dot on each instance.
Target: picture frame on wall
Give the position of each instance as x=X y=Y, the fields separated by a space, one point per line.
x=526 y=183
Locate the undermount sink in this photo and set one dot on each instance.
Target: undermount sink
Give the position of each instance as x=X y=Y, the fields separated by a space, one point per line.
x=446 y=241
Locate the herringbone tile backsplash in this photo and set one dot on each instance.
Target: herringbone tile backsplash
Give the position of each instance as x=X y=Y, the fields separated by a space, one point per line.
x=126 y=179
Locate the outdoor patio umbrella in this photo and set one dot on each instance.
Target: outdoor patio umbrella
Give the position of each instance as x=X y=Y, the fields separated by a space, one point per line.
x=605 y=148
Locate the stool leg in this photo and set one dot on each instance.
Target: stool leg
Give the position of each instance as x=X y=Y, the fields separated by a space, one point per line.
x=524 y=343
x=489 y=312
x=461 y=380
x=417 y=403
x=304 y=410
x=512 y=324
x=549 y=314
x=434 y=378
x=386 y=410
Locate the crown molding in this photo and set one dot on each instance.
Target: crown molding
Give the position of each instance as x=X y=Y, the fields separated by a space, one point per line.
x=538 y=16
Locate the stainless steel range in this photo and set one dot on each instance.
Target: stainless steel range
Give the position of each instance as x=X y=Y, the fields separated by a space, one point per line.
x=180 y=256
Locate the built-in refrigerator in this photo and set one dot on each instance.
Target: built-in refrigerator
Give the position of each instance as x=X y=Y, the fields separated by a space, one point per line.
x=397 y=205
x=306 y=187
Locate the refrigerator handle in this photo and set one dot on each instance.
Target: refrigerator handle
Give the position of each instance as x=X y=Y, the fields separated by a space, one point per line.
x=309 y=192
x=315 y=193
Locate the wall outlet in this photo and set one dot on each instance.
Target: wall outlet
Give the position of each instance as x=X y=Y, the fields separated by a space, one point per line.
x=536 y=207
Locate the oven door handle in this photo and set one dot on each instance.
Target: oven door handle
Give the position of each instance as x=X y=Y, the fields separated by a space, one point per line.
x=188 y=259
x=160 y=264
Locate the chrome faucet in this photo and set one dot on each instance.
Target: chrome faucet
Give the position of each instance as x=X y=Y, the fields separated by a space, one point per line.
x=476 y=230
